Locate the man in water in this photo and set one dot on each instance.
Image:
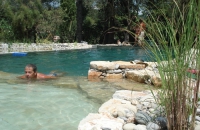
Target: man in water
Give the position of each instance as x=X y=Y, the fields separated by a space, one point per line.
x=31 y=73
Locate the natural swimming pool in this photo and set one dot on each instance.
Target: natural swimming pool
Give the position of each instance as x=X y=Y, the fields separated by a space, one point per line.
x=56 y=104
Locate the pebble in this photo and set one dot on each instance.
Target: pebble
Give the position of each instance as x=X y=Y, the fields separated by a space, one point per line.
x=152 y=126
x=129 y=126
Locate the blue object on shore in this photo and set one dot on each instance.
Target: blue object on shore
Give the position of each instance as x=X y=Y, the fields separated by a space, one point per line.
x=19 y=54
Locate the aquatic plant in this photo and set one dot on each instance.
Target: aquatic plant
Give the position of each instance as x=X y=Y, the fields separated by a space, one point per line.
x=175 y=43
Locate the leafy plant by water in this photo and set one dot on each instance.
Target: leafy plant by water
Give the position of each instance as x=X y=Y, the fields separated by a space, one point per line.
x=175 y=43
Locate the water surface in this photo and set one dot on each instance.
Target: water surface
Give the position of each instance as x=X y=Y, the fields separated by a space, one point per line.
x=74 y=62
x=62 y=103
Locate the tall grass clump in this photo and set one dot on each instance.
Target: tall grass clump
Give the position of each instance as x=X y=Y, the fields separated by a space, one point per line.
x=175 y=44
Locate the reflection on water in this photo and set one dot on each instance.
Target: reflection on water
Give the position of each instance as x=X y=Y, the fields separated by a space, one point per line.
x=53 y=104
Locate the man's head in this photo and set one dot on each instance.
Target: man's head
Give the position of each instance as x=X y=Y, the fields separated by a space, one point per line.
x=31 y=71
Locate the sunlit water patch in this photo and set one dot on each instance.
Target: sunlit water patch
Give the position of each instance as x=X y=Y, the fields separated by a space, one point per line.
x=35 y=106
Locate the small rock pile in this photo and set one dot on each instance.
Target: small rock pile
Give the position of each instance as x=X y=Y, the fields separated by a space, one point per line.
x=129 y=110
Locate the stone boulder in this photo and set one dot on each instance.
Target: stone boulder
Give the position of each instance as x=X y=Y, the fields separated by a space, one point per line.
x=137 y=75
x=129 y=95
x=114 y=76
x=119 y=108
x=100 y=122
x=93 y=74
x=131 y=126
x=129 y=65
x=156 y=81
x=144 y=76
x=103 y=65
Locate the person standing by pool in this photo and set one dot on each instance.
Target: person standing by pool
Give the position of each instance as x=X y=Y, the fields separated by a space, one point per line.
x=142 y=28
x=139 y=33
x=31 y=73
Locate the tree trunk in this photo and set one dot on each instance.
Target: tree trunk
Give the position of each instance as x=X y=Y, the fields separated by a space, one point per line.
x=79 y=6
x=110 y=12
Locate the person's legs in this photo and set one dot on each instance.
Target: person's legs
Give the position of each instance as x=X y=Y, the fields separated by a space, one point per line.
x=141 y=38
x=57 y=73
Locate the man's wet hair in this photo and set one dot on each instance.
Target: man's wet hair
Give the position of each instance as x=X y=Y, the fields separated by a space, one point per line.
x=32 y=66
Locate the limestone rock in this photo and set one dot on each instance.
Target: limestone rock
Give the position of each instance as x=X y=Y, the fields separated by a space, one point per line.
x=117 y=71
x=117 y=108
x=156 y=81
x=130 y=126
x=99 y=122
x=114 y=76
x=128 y=95
x=103 y=65
x=129 y=65
x=136 y=76
x=148 y=98
x=93 y=74
x=140 y=127
x=142 y=76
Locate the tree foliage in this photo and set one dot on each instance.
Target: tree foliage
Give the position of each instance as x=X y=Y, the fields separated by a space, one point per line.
x=98 y=21
x=68 y=28
x=48 y=26
x=23 y=16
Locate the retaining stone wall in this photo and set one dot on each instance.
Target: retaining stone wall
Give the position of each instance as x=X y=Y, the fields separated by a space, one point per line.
x=32 y=47
x=143 y=72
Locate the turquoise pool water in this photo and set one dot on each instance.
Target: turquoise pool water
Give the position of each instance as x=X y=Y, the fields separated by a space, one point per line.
x=74 y=62
x=38 y=107
x=62 y=103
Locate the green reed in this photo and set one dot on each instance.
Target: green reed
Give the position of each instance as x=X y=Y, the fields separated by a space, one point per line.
x=175 y=44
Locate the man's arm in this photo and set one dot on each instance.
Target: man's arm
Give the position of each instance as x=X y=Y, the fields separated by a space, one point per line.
x=43 y=76
x=21 y=77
